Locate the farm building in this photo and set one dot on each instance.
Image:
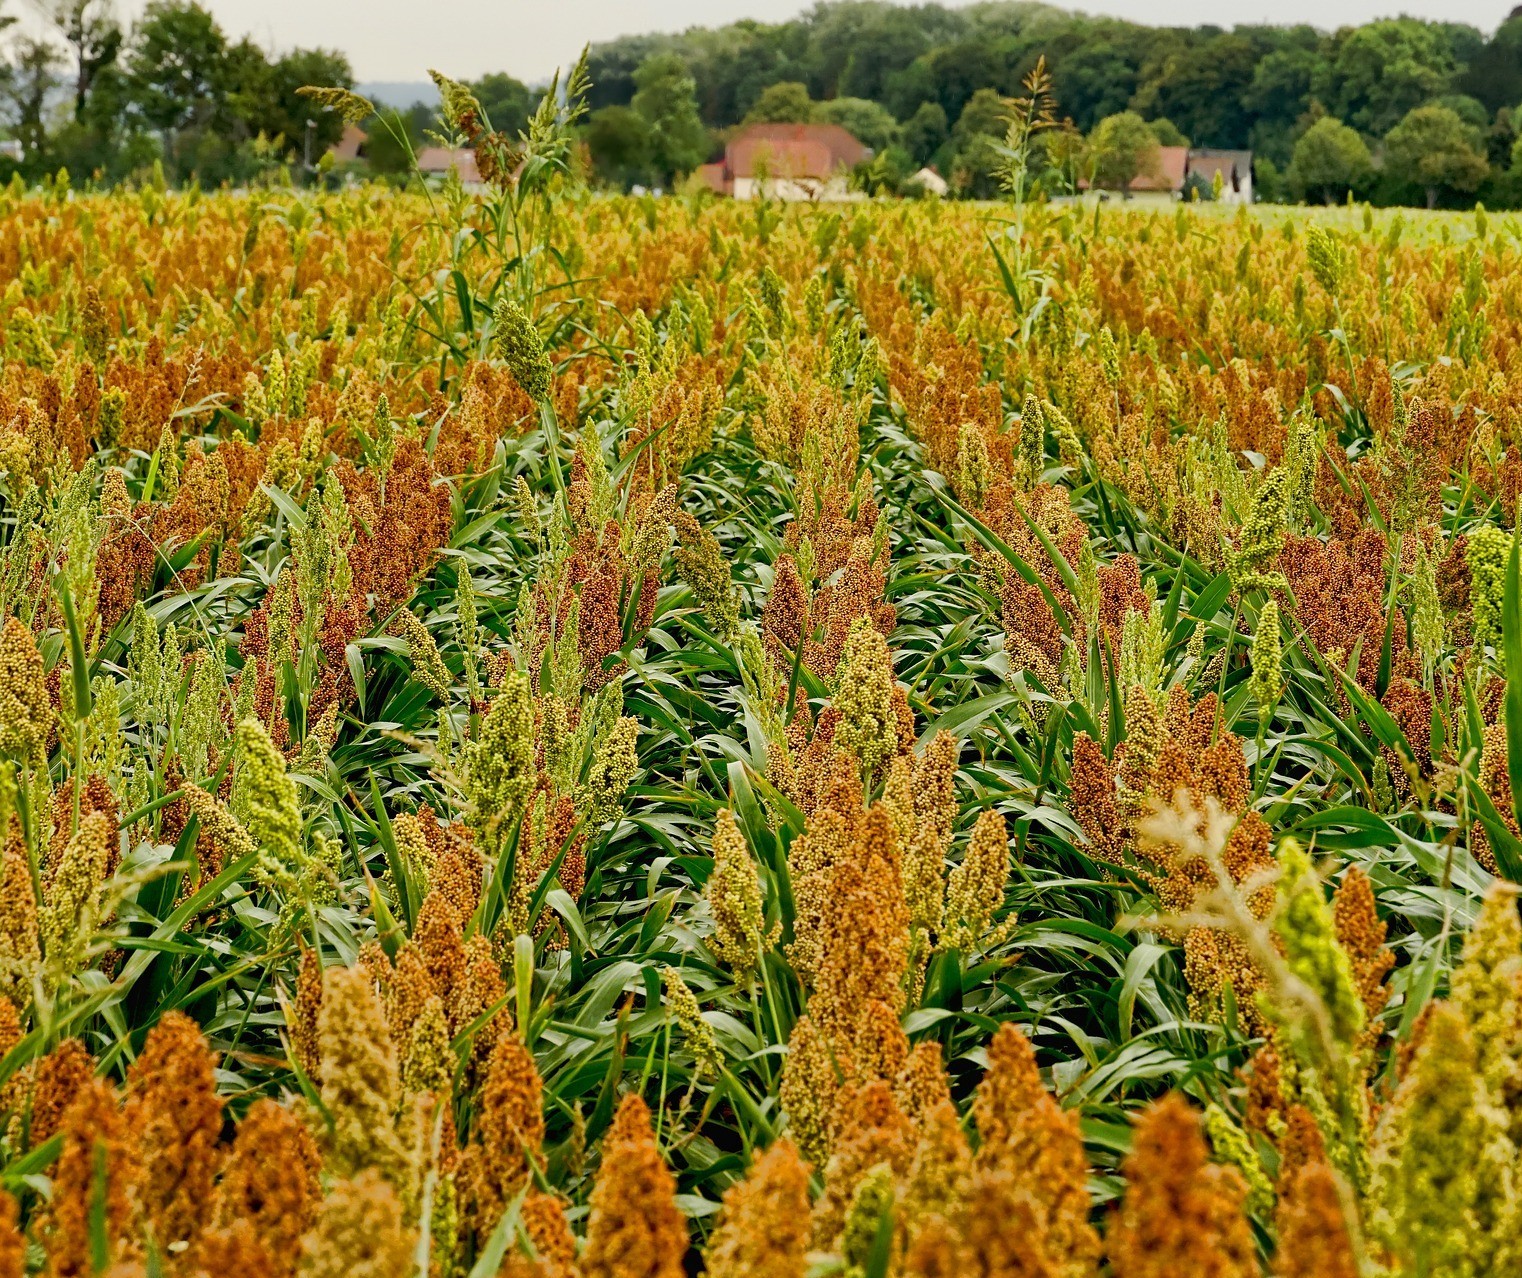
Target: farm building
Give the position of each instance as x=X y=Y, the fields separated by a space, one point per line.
x=787 y=162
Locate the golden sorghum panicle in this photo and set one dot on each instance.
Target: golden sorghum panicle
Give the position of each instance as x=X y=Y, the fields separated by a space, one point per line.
x=71 y=912
x=26 y=710
x=764 y=1230
x=545 y=1224
x=868 y=726
x=521 y=348
x=305 y=1012
x=266 y=799
x=810 y=1081
x=865 y=943
x=634 y=1229
x=975 y=888
x=708 y=1060
x=269 y=1184
x=1024 y=1132
x=428 y=666
x=12 y=1240
x=20 y=950
x=1181 y=1214
x=175 y=1116
x=935 y=775
x=614 y=763
x=500 y=762
x=359 y=1233
x=360 y=1087
x=1361 y=933
x=1429 y=1168
x=869 y=1129
x=740 y=935
x=94 y=1133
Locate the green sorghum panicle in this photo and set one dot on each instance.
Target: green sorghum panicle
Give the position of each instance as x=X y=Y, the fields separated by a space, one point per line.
x=613 y=765
x=709 y=1060
x=1487 y=553
x=975 y=888
x=500 y=761
x=1305 y=925
x=522 y=349
x=1032 y=440
x=1261 y=537
x=1325 y=257
x=267 y=804
x=1267 y=660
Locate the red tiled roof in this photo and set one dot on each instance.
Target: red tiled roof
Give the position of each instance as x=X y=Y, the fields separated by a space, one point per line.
x=793 y=150
x=1172 y=162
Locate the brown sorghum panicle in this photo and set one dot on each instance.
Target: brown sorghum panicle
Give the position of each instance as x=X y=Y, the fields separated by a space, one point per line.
x=175 y=1115
x=269 y=1185
x=634 y=1229
x=1181 y=1215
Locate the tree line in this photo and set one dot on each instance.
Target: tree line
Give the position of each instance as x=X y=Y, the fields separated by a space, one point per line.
x=175 y=91
x=1395 y=111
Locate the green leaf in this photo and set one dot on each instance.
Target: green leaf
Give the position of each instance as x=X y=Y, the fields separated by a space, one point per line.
x=1511 y=631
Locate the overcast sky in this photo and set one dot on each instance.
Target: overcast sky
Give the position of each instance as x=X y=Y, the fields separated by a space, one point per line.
x=401 y=39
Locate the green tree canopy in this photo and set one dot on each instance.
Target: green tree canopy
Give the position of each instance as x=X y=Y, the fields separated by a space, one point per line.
x=1329 y=160
x=1122 y=148
x=1434 y=149
x=925 y=131
x=618 y=139
x=976 y=144
x=785 y=103
x=508 y=102
x=1379 y=72
x=666 y=99
x=863 y=119
x=1167 y=132
x=178 y=70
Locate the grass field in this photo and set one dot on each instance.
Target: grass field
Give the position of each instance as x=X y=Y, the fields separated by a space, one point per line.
x=554 y=734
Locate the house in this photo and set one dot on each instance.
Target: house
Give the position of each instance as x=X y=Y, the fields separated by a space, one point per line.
x=436 y=161
x=1176 y=165
x=930 y=182
x=787 y=162
x=351 y=146
x=1235 y=168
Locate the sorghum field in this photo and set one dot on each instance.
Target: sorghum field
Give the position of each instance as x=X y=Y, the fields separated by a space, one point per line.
x=550 y=734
